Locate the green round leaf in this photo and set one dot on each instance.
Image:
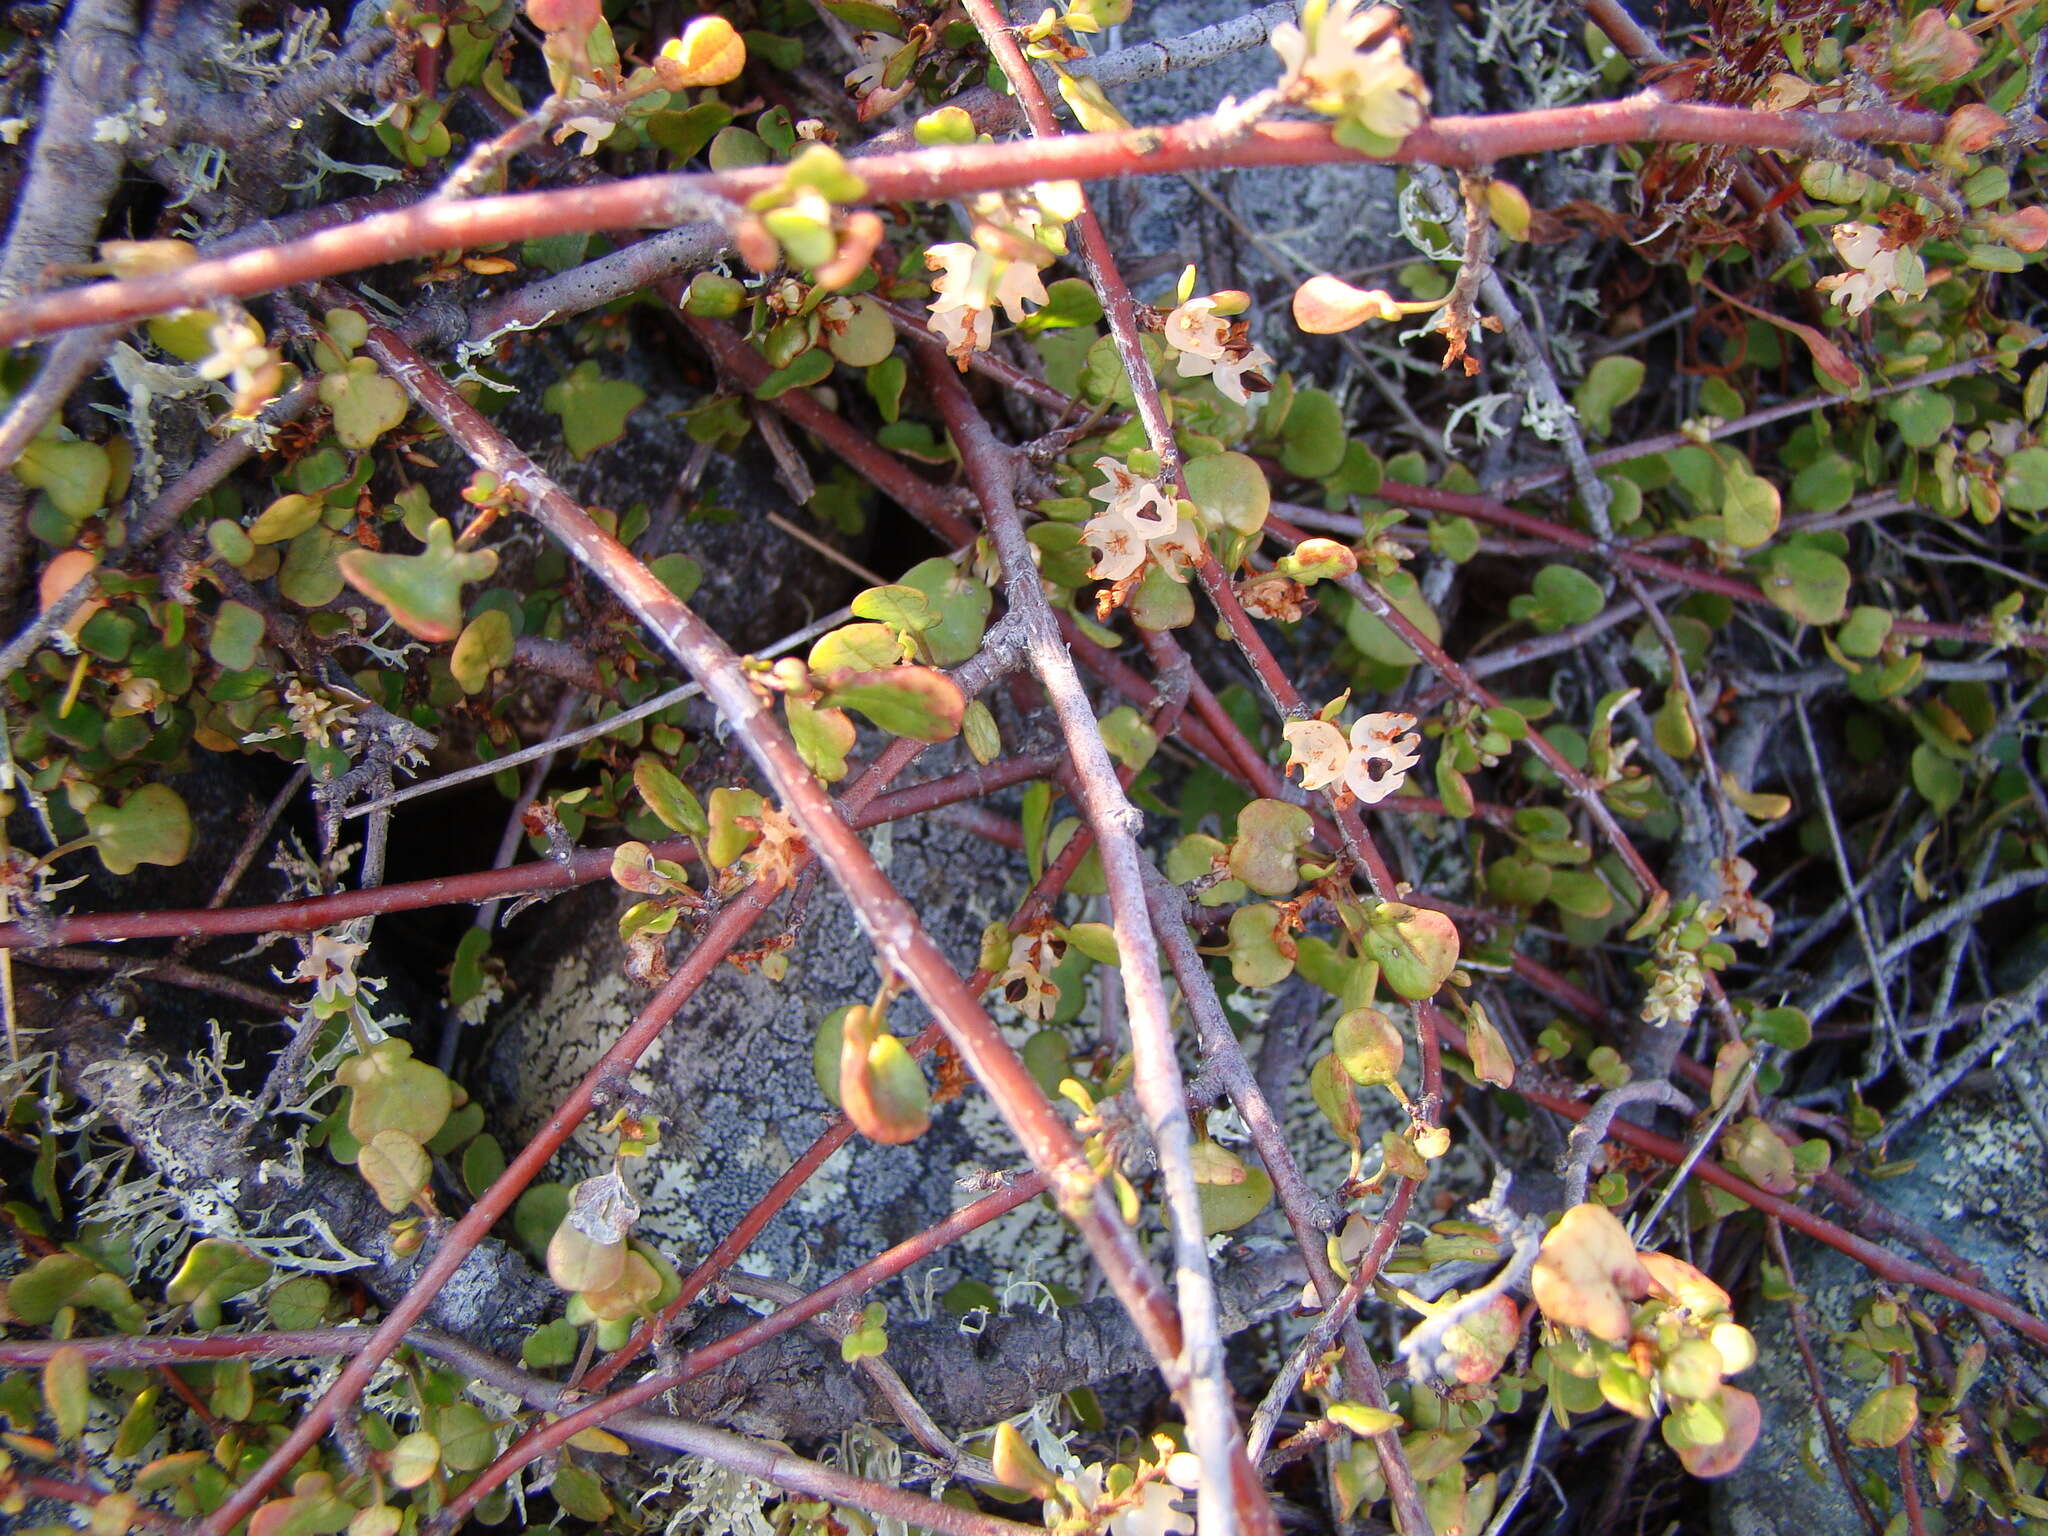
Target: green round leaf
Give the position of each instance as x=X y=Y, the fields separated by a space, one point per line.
x=1231 y=488
x=151 y=826
x=1939 y=781
x=396 y=1168
x=1560 y=597
x=237 y=632
x=1750 y=507
x=863 y=336
x=1923 y=416
x=1810 y=584
x=1226 y=1207
x=484 y=645
x=592 y=408
x=2024 y=485
x=1886 y=1417
x=904 y=701
x=1261 y=954
x=1312 y=438
x=1609 y=384
x=1266 y=852
x=364 y=402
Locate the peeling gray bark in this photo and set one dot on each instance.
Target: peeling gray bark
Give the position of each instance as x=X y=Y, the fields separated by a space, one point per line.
x=72 y=175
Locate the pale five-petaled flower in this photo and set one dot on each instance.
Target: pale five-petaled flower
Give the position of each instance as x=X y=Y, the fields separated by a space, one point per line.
x=1874 y=268
x=1138 y=515
x=1372 y=764
x=970 y=284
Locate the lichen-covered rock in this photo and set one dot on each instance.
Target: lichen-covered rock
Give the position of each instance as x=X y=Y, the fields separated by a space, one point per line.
x=1330 y=218
x=732 y=1080
x=1973 y=1178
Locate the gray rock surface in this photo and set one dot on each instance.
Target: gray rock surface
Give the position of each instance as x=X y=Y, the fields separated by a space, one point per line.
x=1976 y=1183
x=732 y=1078
x=1322 y=218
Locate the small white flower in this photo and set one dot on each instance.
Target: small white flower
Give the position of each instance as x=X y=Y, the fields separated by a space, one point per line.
x=1750 y=919
x=971 y=283
x=1320 y=752
x=1383 y=748
x=874 y=52
x=1019 y=281
x=12 y=128
x=1875 y=269
x=1373 y=764
x=1196 y=330
x=1229 y=372
x=1138 y=515
x=963 y=330
x=595 y=130
x=240 y=356
x=330 y=964
x=1026 y=983
x=1332 y=70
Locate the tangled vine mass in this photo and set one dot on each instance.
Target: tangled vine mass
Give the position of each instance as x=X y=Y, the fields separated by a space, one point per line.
x=867 y=766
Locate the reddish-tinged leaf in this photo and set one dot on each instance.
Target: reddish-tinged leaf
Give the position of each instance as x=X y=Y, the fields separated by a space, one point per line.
x=1829 y=358
x=1744 y=1418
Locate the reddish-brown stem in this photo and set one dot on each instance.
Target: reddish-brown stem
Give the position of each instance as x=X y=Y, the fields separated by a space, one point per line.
x=1664 y=442
x=722 y=935
x=1486 y=509
x=900 y=940
x=554 y=1434
x=1838 y=1448
x=1879 y=1261
x=583 y=867
x=933 y=175
x=736 y=1242
x=120 y=1350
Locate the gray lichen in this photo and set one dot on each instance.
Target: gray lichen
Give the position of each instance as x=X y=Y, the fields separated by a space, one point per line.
x=732 y=1081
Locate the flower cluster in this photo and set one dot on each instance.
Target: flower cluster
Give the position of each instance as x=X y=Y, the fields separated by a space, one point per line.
x=1139 y=518
x=1877 y=266
x=1347 y=64
x=1686 y=948
x=1207 y=342
x=1015 y=236
x=1373 y=764
x=971 y=283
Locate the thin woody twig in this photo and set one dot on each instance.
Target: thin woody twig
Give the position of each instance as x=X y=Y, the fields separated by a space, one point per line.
x=1158 y=1083
x=855 y=1282
x=1892 y=1045
x=596 y=730
x=932 y=174
x=900 y=939
x=1307 y=1214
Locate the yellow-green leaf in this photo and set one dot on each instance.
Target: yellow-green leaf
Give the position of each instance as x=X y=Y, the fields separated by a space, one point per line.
x=151 y=826
x=67 y=1391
